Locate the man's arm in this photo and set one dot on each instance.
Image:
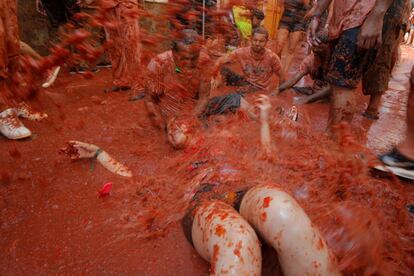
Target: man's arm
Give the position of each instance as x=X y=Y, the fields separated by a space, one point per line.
x=291 y=82
x=203 y=97
x=221 y=61
x=264 y=106
x=153 y=90
x=79 y=150
x=371 y=31
x=320 y=8
x=278 y=76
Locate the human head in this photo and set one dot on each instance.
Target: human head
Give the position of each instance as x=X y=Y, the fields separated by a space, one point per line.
x=178 y=133
x=257 y=17
x=260 y=37
x=186 y=49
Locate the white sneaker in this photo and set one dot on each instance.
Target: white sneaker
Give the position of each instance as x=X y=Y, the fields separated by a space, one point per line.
x=25 y=111
x=11 y=127
x=52 y=77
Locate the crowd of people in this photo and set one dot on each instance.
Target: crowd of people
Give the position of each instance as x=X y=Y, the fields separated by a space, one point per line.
x=222 y=61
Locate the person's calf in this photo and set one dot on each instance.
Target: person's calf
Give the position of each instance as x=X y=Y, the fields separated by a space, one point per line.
x=372 y=109
x=342 y=106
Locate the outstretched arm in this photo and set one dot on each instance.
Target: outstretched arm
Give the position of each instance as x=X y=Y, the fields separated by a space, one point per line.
x=80 y=150
x=319 y=95
x=203 y=97
x=291 y=82
x=264 y=106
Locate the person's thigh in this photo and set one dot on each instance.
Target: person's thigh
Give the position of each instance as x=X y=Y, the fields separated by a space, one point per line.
x=347 y=61
x=282 y=37
x=294 y=40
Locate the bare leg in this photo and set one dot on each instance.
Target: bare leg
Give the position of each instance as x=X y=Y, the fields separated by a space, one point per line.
x=372 y=109
x=342 y=106
x=282 y=37
x=294 y=40
x=407 y=146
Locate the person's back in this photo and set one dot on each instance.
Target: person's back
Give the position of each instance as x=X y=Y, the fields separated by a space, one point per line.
x=178 y=81
x=172 y=89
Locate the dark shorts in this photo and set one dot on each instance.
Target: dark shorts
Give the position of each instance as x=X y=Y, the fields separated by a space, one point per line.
x=292 y=25
x=60 y=12
x=347 y=60
x=222 y=104
x=293 y=17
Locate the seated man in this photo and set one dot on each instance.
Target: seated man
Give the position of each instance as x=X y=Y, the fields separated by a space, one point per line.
x=178 y=84
x=259 y=71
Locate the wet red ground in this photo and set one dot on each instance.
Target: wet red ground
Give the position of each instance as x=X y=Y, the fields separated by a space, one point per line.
x=52 y=221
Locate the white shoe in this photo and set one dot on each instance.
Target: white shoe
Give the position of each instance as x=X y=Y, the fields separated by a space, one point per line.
x=293 y=114
x=52 y=77
x=11 y=127
x=25 y=111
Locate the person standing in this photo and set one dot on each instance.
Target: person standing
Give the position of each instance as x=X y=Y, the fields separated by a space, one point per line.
x=355 y=28
x=125 y=53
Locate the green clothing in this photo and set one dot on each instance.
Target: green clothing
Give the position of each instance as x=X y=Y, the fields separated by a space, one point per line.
x=243 y=21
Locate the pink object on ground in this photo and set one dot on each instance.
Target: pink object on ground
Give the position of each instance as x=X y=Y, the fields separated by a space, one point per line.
x=105 y=190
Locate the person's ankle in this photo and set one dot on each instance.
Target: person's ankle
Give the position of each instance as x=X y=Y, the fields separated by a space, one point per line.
x=407 y=150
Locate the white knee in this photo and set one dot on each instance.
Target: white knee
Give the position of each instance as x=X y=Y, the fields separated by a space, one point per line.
x=283 y=224
x=223 y=238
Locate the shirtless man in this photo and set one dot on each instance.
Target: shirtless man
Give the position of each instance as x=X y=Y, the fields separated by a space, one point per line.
x=260 y=70
x=178 y=84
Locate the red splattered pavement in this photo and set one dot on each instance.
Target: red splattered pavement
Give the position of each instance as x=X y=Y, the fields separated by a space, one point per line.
x=52 y=221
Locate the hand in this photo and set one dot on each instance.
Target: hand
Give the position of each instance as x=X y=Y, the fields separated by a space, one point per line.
x=312 y=30
x=263 y=103
x=370 y=35
x=78 y=150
